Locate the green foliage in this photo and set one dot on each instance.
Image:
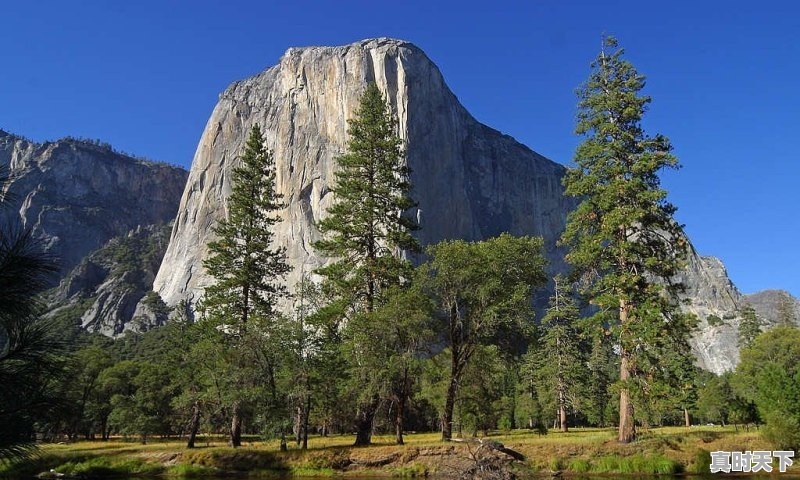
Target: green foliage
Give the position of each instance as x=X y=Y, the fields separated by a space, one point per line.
x=769 y=375
x=559 y=357
x=366 y=226
x=366 y=230
x=787 y=315
x=246 y=267
x=103 y=467
x=602 y=372
x=579 y=465
x=243 y=333
x=29 y=350
x=749 y=326
x=714 y=321
x=714 y=399
x=701 y=463
x=640 y=464
x=482 y=294
x=147 y=410
x=622 y=236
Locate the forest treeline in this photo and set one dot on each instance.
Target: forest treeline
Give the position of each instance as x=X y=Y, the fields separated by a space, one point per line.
x=372 y=343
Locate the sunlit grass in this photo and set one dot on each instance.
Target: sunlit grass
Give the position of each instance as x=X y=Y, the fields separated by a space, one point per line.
x=581 y=450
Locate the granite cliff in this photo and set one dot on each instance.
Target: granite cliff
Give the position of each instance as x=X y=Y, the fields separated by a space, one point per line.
x=470 y=180
x=91 y=207
x=110 y=290
x=76 y=195
x=767 y=304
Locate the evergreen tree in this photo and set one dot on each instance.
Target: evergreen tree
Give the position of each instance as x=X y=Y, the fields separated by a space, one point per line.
x=366 y=231
x=246 y=267
x=602 y=374
x=29 y=349
x=622 y=235
x=749 y=326
x=786 y=311
x=561 y=361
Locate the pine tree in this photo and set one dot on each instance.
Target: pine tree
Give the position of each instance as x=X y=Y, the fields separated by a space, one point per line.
x=366 y=229
x=749 y=326
x=246 y=266
x=786 y=311
x=602 y=374
x=30 y=349
x=561 y=358
x=622 y=235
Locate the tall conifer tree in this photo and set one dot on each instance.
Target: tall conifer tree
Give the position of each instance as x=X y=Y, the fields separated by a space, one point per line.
x=248 y=269
x=749 y=326
x=622 y=235
x=786 y=311
x=366 y=229
x=561 y=361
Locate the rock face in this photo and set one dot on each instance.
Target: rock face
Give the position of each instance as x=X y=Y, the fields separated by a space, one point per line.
x=77 y=195
x=470 y=180
x=715 y=300
x=109 y=292
x=767 y=305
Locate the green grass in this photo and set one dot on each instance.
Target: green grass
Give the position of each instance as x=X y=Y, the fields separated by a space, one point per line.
x=580 y=451
x=110 y=467
x=579 y=465
x=184 y=470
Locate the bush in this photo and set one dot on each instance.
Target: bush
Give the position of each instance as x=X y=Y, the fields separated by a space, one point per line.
x=782 y=430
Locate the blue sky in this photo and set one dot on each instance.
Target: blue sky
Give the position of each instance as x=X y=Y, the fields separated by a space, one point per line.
x=724 y=76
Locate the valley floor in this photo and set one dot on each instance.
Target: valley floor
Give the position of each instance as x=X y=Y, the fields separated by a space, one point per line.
x=670 y=450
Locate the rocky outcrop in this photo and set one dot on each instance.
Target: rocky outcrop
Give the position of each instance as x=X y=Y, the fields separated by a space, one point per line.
x=76 y=195
x=767 y=304
x=470 y=180
x=109 y=292
x=715 y=300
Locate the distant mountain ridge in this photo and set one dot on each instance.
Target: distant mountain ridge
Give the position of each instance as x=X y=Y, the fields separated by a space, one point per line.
x=80 y=198
x=76 y=195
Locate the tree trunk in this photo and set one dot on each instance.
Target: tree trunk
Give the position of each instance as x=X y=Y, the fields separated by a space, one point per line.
x=450 y=401
x=236 y=427
x=306 y=414
x=365 y=417
x=398 y=420
x=627 y=428
x=686 y=420
x=194 y=425
x=298 y=425
x=562 y=408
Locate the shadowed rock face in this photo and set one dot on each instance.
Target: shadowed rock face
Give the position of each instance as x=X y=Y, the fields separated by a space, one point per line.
x=77 y=195
x=470 y=180
x=109 y=292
